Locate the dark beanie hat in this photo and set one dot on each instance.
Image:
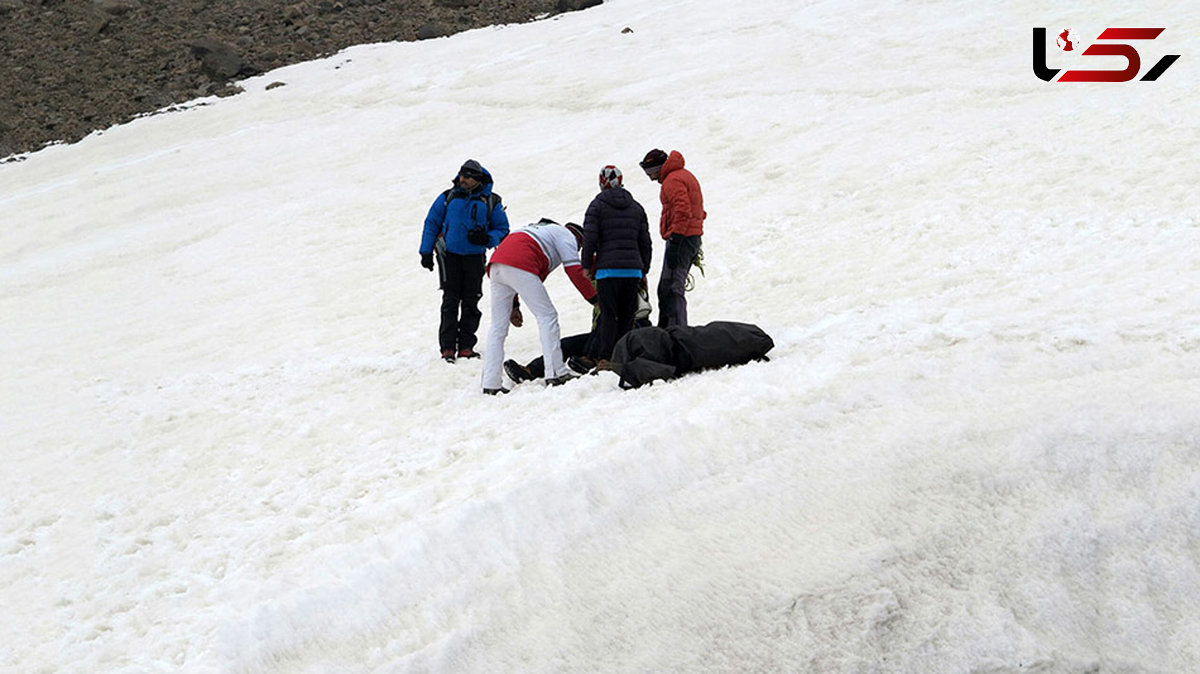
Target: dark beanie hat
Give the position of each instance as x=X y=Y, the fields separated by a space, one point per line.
x=472 y=168
x=577 y=231
x=654 y=158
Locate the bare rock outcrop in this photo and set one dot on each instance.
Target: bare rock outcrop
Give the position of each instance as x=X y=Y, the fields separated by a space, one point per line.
x=70 y=67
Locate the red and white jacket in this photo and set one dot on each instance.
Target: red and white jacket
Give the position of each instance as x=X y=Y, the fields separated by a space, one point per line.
x=541 y=247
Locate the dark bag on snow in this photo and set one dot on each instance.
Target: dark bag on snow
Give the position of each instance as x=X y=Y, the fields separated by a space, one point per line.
x=646 y=354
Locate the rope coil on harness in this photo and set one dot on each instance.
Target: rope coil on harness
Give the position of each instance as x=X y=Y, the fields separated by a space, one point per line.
x=698 y=263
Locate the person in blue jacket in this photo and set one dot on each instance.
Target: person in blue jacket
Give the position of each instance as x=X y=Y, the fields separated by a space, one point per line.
x=463 y=222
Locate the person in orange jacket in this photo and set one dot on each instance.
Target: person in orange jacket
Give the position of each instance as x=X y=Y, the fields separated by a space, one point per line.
x=681 y=225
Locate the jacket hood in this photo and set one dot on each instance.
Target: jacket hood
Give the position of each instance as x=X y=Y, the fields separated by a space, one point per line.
x=674 y=162
x=617 y=197
x=486 y=185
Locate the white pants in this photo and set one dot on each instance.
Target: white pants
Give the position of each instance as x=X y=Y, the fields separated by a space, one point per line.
x=506 y=282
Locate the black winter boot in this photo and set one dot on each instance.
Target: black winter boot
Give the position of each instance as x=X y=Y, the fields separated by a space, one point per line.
x=517 y=372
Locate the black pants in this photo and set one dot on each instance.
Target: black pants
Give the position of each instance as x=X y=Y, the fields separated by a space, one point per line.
x=461 y=290
x=672 y=303
x=618 y=300
x=575 y=345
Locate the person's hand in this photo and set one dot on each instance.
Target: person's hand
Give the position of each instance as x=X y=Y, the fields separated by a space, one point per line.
x=477 y=236
x=516 y=318
x=427 y=261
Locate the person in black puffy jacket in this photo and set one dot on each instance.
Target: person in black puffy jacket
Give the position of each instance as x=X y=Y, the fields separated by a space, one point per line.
x=616 y=254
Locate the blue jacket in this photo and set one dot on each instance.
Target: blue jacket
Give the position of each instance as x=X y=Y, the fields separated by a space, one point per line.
x=456 y=211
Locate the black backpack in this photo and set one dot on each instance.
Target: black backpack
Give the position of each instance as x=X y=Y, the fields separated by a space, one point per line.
x=646 y=354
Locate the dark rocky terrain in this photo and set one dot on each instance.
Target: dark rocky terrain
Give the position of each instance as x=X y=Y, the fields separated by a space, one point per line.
x=70 y=67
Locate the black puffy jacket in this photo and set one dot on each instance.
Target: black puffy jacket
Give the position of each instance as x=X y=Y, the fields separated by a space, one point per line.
x=616 y=234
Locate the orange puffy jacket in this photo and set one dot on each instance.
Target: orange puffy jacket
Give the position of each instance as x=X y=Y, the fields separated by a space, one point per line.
x=682 y=203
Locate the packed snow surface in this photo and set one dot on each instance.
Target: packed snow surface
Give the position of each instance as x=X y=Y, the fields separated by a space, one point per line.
x=229 y=444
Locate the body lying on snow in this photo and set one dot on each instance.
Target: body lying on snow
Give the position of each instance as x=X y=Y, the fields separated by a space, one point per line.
x=646 y=354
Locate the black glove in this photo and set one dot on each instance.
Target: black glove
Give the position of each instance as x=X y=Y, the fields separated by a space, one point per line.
x=427 y=261
x=477 y=236
x=674 y=257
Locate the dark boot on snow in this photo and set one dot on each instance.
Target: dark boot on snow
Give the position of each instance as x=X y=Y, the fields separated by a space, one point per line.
x=517 y=372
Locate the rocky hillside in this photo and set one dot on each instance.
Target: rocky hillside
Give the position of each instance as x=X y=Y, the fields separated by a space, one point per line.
x=70 y=67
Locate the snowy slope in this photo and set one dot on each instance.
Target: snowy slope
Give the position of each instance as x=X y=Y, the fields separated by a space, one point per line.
x=229 y=445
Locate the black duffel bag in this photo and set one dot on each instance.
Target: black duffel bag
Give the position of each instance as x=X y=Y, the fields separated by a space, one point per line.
x=646 y=354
